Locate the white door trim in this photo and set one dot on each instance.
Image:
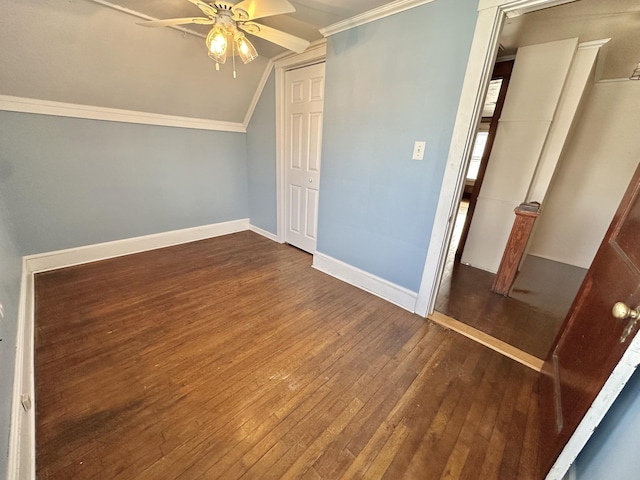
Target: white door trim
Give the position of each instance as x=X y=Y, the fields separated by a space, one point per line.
x=313 y=54
x=484 y=48
x=491 y=15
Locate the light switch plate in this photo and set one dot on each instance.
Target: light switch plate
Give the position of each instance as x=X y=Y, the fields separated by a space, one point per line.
x=418 y=150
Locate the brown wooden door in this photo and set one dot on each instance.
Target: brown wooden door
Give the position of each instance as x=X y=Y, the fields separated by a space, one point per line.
x=589 y=347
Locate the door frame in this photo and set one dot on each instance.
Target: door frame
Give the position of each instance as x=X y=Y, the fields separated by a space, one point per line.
x=317 y=52
x=482 y=57
x=484 y=48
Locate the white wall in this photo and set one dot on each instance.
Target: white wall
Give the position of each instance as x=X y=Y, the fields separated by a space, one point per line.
x=537 y=81
x=595 y=170
x=579 y=78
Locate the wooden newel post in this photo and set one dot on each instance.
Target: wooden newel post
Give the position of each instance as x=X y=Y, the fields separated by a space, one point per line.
x=526 y=215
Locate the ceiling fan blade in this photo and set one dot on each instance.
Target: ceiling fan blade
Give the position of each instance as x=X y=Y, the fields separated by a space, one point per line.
x=205 y=7
x=262 y=8
x=278 y=37
x=176 y=21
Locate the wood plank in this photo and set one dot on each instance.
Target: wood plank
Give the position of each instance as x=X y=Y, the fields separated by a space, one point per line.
x=493 y=343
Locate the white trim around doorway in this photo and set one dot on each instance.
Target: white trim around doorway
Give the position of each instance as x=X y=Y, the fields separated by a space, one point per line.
x=317 y=52
x=491 y=16
x=482 y=57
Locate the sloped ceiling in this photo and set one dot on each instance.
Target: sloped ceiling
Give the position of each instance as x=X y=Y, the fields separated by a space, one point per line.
x=85 y=52
x=309 y=17
x=587 y=20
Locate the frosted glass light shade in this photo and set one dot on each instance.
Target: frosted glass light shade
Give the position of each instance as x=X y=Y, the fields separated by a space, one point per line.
x=217 y=43
x=245 y=48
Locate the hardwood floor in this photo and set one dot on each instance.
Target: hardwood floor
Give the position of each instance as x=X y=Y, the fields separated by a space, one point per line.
x=548 y=286
x=529 y=322
x=466 y=296
x=233 y=358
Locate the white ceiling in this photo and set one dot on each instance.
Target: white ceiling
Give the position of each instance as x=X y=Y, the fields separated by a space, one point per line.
x=309 y=17
x=588 y=20
x=83 y=52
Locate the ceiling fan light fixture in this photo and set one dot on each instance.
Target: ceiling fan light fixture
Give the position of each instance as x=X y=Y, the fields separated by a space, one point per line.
x=217 y=43
x=245 y=48
x=227 y=18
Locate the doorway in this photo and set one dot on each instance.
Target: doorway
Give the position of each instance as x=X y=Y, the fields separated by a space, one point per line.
x=612 y=107
x=315 y=54
x=304 y=99
x=529 y=318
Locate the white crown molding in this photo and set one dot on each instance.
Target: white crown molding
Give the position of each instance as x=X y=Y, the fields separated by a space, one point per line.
x=316 y=52
x=618 y=80
x=72 y=110
x=515 y=8
x=366 y=281
x=602 y=47
x=593 y=44
x=258 y=94
x=372 y=15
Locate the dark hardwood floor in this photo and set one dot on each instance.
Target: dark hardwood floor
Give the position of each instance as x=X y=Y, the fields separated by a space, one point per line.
x=467 y=297
x=233 y=358
x=528 y=320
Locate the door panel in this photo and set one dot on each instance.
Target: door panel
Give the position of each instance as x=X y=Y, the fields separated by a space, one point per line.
x=297 y=142
x=312 y=207
x=315 y=141
x=294 y=211
x=590 y=346
x=303 y=116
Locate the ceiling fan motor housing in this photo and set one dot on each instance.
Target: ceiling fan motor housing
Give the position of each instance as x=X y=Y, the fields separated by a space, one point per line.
x=226 y=7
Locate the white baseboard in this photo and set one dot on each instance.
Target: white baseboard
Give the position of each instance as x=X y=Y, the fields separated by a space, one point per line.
x=102 y=251
x=264 y=233
x=368 y=282
x=21 y=461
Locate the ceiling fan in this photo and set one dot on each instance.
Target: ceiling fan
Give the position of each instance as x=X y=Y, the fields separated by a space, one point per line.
x=229 y=19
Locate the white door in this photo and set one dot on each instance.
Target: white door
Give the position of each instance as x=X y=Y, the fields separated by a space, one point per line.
x=303 y=130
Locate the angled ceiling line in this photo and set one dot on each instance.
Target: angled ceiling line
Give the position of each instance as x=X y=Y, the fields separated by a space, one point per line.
x=372 y=15
x=135 y=13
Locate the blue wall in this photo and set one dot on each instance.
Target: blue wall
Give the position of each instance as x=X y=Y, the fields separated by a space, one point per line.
x=261 y=160
x=612 y=451
x=72 y=182
x=69 y=182
x=389 y=83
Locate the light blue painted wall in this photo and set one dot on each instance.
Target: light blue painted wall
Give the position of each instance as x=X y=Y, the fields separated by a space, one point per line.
x=72 y=182
x=10 y=269
x=612 y=451
x=261 y=160
x=389 y=83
